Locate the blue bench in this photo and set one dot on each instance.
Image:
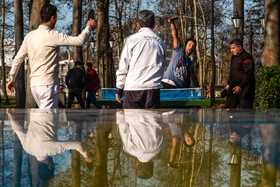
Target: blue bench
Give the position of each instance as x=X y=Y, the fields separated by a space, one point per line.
x=168 y=97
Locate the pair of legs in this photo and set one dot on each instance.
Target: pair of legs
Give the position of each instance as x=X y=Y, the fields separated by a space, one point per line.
x=91 y=98
x=78 y=95
x=141 y=99
x=46 y=96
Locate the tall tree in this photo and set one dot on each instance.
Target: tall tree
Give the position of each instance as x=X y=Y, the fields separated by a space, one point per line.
x=6 y=100
x=20 y=80
x=271 y=51
x=34 y=23
x=103 y=49
x=76 y=28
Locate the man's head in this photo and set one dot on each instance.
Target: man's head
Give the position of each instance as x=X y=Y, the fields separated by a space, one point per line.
x=236 y=46
x=89 y=66
x=78 y=64
x=146 y=18
x=46 y=169
x=190 y=45
x=48 y=15
x=144 y=170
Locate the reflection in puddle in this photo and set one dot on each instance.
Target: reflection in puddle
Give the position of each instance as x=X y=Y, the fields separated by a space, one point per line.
x=135 y=147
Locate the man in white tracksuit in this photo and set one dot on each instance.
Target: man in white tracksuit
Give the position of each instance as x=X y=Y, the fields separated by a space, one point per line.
x=141 y=66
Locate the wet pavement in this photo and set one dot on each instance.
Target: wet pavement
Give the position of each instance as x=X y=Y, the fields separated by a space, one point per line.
x=135 y=147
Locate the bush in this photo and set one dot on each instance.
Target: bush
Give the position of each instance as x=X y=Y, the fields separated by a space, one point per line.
x=268 y=88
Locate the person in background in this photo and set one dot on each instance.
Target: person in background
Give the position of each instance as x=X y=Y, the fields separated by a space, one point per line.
x=180 y=68
x=42 y=48
x=141 y=66
x=241 y=82
x=75 y=81
x=92 y=86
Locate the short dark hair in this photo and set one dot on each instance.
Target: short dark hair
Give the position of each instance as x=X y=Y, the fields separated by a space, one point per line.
x=145 y=170
x=44 y=173
x=89 y=65
x=47 y=12
x=190 y=39
x=146 y=18
x=236 y=41
x=78 y=63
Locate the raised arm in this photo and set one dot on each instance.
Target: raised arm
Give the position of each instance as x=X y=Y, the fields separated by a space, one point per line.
x=174 y=31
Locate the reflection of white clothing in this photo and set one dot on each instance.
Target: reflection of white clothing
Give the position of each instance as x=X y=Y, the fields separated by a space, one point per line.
x=141 y=133
x=171 y=121
x=40 y=139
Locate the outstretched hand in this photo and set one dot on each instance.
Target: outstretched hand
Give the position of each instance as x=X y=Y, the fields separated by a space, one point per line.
x=172 y=19
x=92 y=23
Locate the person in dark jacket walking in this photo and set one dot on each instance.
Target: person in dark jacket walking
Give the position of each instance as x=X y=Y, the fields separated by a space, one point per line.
x=241 y=82
x=75 y=81
x=92 y=86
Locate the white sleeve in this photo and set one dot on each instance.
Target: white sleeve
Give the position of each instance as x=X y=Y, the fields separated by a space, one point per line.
x=123 y=66
x=19 y=58
x=61 y=39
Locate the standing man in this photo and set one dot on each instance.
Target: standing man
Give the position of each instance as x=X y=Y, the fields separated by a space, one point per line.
x=180 y=68
x=42 y=48
x=92 y=86
x=141 y=66
x=241 y=82
x=75 y=81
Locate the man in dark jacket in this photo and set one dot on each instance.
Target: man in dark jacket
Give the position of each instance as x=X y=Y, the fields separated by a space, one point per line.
x=241 y=82
x=75 y=80
x=92 y=86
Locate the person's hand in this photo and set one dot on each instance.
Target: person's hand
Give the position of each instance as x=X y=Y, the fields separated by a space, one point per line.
x=89 y=159
x=119 y=95
x=92 y=23
x=11 y=87
x=227 y=87
x=172 y=19
x=10 y=112
x=237 y=90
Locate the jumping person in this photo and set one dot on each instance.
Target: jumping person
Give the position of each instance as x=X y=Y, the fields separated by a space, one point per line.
x=42 y=48
x=180 y=68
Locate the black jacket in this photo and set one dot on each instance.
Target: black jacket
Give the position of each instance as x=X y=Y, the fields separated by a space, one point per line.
x=242 y=74
x=75 y=79
x=241 y=70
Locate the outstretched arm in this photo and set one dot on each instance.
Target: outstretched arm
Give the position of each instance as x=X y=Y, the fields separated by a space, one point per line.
x=174 y=31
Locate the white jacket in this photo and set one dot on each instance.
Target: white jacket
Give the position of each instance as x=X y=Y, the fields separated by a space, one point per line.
x=142 y=62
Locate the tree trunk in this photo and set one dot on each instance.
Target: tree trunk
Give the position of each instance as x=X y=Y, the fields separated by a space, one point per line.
x=20 y=79
x=75 y=156
x=238 y=6
x=197 y=45
x=33 y=24
x=103 y=49
x=76 y=29
x=6 y=100
x=271 y=51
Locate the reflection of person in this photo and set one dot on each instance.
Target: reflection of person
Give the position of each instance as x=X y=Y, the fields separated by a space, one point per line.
x=42 y=48
x=177 y=134
x=180 y=68
x=75 y=81
x=142 y=135
x=92 y=86
x=40 y=140
x=141 y=66
x=241 y=83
